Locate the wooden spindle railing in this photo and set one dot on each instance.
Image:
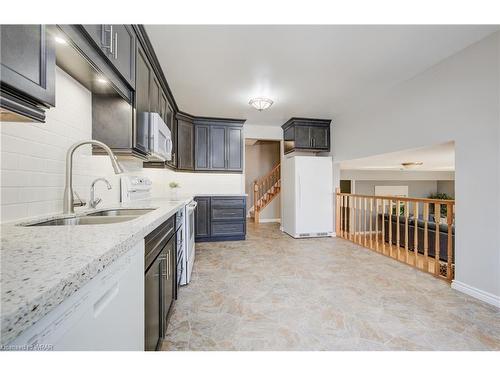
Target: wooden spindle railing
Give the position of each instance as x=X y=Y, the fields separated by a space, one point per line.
x=401 y=228
x=265 y=188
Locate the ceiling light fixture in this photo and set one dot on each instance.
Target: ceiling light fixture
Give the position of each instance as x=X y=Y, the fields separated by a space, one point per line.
x=411 y=164
x=261 y=104
x=60 y=40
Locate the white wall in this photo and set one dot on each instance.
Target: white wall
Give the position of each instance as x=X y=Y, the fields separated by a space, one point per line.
x=416 y=189
x=33 y=156
x=263 y=132
x=193 y=183
x=356 y=174
x=457 y=100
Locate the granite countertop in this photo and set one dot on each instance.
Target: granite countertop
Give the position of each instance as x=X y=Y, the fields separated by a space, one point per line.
x=41 y=266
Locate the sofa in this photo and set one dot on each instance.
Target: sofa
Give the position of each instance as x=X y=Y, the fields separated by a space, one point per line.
x=432 y=226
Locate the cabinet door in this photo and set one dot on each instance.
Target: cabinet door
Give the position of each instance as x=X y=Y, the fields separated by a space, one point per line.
x=118 y=43
x=202 y=218
x=101 y=35
x=201 y=148
x=142 y=95
x=172 y=125
x=167 y=294
x=152 y=307
x=217 y=151
x=302 y=137
x=28 y=62
x=185 y=143
x=163 y=107
x=123 y=55
x=154 y=99
x=319 y=136
x=234 y=146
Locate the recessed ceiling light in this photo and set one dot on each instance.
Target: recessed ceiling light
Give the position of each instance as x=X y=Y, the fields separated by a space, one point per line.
x=102 y=80
x=261 y=104
x=60 y=40
x=411 y=164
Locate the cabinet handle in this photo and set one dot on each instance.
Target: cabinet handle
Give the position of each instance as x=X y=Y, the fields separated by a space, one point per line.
x=104 y=31
x=115 y=53
x=168 y=265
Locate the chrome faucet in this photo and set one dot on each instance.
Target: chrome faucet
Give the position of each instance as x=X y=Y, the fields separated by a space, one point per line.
x=68 y=203
x=93 y=202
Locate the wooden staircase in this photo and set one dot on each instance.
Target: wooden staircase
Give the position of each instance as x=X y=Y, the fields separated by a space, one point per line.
x=265 y=189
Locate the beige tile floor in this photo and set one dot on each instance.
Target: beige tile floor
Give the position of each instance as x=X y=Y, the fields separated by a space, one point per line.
x=272 y=292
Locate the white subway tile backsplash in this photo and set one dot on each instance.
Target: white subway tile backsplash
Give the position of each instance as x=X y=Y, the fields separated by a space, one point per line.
x=10 y=195
x=33 y=156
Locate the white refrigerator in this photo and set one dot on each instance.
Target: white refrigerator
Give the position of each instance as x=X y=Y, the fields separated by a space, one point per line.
x=307 y=193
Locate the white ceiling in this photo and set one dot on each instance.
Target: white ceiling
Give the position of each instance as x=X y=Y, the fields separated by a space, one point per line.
x=309 y=71
x=434 y=158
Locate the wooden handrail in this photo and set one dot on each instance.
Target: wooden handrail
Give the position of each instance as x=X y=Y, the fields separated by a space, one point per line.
x=383 y=224
x=402 y=199
x=263 y=186
x=270 y=173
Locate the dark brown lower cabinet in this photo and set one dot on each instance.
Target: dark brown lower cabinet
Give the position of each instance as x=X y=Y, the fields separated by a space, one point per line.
x=220 y=218
x=159 y=283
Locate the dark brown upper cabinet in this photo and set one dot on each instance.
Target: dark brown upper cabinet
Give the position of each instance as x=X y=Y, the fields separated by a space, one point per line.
x=143 y=102
x=304 y=134
x=172 y=125
x=27 y=72
x=185 y=142
x=218 y=144
x=118 y=44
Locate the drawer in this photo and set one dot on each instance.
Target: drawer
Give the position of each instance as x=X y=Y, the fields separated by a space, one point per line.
x=228 y=202
x=222 y=213
x=228 y=229
x=155 y=241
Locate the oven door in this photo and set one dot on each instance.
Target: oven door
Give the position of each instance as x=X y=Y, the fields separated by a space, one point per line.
x=189 y=246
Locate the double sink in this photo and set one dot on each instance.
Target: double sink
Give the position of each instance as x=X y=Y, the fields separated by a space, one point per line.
x=112 y=216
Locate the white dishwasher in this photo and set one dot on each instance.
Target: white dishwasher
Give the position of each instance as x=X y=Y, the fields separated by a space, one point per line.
x=107 y=313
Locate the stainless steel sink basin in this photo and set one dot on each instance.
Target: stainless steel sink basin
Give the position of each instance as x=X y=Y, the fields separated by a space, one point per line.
x=123 y=212
x=85 y=220
x=118 y=215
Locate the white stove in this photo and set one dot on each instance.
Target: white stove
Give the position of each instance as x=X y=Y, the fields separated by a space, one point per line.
x=136 y=188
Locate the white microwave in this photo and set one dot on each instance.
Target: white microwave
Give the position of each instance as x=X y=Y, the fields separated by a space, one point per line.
x=160 y=139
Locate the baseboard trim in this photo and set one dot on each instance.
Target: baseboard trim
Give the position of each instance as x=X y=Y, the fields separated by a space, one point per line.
x=476 y=293
x=269 y=220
